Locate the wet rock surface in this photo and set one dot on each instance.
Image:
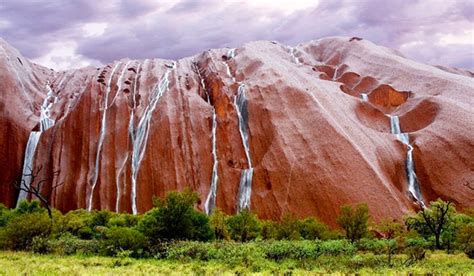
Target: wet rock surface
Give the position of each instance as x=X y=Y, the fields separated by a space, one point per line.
x=317 y=120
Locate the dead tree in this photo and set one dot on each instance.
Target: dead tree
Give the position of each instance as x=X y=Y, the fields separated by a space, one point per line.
x=36 y=185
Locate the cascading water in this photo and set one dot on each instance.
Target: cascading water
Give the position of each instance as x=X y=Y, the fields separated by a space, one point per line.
x=413 y=185
x=334 y=77
x=211 y=197
x=230 y=55
x=140 y=133
x=28 y=163
x=103 y=129
x=364 y=97
x=245 y=187
x=293 y=57
x=45 y=123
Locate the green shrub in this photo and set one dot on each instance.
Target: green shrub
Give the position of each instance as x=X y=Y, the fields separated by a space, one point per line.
x=354 y=221
x=337 y=247
x=269 y=230
x=100 y=218
x=288 y=228
x=189 y=250
x=21 y=229
x=465 y=239
x=312 y=229
x=175 y=219
x=217 y=221
x=243 y=226
x=297 y=250
x=416 y=250
x=119 y=239
x=67 y=244
x=77 y=222
x=28 y=207
x=123 y=220
x=5 y=215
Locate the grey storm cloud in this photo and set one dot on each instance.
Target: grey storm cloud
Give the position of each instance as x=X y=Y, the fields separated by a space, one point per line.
x=165 y=29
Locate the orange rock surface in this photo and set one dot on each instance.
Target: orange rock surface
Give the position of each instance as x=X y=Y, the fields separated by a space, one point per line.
x=314 y=144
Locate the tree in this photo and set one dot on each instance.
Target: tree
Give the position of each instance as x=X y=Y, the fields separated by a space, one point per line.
x=244 y=226
x=434 y=220
x=218 y=224
x=354 y=221
x=35 y=187
x=175 y=218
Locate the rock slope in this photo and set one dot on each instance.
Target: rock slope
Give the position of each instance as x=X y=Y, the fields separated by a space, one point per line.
x=274 y=128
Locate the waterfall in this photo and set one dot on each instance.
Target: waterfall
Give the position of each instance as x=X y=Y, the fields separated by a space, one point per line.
x=28 y=163
x=334 y=77
x=140 y=133
x=103 y=129
x=45 y=123
x=230 y=55
x=245 y=187
x=364 y=97
x=211 y=197
x=395 y=124
x=293 y=57
x=413 y=185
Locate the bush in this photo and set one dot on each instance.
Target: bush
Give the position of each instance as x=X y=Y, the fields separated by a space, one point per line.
x=68 y=244
x=269 y=230
x=298 y=250
x=465 y=239
x=77 y=222
x=217 y=221
x=416 y=250
x=188 y=250
x=5 y=215
x=243 y=226
x=311 y=229
x=118 y=239
x=288 y=228
x=354 y=222
x=123 y=220
x=175 y=219
x=20 y=230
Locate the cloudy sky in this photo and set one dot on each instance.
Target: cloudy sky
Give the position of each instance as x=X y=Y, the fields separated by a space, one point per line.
x=74 y=33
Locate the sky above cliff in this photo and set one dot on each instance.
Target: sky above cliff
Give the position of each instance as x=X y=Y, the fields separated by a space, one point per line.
x=72 y=34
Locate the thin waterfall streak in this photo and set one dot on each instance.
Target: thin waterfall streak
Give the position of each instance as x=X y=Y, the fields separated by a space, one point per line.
x=117 y=201
x=45 y=123
x=245 y=184
x=413 y=184
x=211 y=197
x=364 y=97
x=140 y=133
x=119 y=83
x=293 y=56
x=28 y=163
x=334 y=77
x=101 y=136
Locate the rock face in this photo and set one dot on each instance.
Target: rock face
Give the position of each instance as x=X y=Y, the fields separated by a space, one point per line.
x=316 y=119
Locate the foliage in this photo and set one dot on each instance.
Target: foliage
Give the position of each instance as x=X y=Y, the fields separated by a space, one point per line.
x=19 y=232
x=354 y=221
x=118 y=239
x=175 y=219
x=217 y=221
x=435 y=221
x=312 y=229
x=243 y=226
x=288 y=228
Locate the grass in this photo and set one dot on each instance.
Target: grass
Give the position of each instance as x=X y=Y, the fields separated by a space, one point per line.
x=15 y=263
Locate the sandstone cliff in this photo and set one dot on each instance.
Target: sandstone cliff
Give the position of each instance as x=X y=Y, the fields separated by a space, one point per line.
x=302 y=130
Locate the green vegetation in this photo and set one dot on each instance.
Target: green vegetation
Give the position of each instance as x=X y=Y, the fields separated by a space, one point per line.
x=181 y=239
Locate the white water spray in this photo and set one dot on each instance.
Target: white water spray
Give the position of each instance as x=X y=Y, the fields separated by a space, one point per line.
x=211 y=197
x=413 y=184
x=245 y=187
x=103 y=129
x=293 y=56
x=364 y=97
x=45 y=123
x=140 y=133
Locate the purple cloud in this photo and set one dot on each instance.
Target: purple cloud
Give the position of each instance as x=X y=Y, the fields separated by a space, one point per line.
x=431 y=31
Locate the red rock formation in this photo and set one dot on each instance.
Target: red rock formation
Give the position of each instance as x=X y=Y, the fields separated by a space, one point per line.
x=314 y=144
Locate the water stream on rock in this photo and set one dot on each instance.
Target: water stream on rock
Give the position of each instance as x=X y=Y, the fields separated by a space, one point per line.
x=211 y=197
x=413 y=184
x=103 y=129
x=141 y=132
x=364 y=97
x=45 y=123
x=245 y=187
x=293 y=57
